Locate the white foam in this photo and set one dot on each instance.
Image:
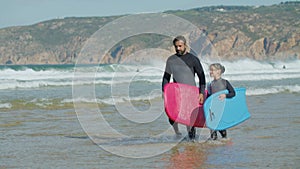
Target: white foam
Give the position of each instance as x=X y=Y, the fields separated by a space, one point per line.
x=112 y=100
x=273 y=90
x=240 y=70
x=5 y=105
x=262 y=76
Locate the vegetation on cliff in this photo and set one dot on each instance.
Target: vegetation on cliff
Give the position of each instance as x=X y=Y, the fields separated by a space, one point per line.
x=261 y=33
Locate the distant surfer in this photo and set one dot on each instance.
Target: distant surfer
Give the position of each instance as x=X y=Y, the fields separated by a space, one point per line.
x=283 y=67
x=183 y=66
x=218 y=84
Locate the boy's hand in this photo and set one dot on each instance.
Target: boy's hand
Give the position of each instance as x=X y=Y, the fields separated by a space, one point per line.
x=222 y=96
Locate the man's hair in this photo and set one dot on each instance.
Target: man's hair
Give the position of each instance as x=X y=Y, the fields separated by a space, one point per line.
x=179 y=38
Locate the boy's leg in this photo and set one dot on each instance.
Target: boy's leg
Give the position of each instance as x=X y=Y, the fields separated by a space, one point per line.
x=223 y=133
x=213 y=135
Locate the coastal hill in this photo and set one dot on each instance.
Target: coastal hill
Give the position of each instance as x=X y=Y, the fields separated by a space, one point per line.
x=256 y=32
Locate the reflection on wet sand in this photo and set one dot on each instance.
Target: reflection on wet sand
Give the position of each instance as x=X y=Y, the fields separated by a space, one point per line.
x=189 y=155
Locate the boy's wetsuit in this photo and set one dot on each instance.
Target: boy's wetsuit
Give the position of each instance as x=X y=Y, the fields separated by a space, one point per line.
x=216 y=86
x=183 y=69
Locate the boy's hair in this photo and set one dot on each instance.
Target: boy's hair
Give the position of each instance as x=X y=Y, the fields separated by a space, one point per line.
x=219 y=67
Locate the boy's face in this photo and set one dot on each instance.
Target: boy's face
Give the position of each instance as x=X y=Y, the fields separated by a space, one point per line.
x=213 y=72
x=180 y=47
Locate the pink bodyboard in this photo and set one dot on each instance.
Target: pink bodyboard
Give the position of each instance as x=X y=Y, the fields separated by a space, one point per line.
x=182 y=104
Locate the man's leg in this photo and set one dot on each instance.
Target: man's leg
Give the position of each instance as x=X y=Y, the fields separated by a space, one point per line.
x=175 y=127
x=191 y=131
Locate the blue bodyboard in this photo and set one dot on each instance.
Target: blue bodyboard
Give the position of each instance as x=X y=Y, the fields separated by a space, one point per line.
x=223 y=114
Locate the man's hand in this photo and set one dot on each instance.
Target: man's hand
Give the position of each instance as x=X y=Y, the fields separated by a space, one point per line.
x=201 y=98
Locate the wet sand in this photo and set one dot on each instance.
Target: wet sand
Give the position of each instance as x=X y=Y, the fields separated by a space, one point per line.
x=53 y=138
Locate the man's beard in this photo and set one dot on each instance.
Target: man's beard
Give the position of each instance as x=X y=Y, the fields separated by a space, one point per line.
x=180 y=53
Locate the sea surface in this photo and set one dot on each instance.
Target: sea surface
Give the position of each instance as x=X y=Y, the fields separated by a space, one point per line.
x=112 y=116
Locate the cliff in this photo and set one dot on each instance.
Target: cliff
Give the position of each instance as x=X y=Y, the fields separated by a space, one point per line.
x=261 y=33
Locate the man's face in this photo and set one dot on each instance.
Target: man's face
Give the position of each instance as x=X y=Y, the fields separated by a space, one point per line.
x=180 y=47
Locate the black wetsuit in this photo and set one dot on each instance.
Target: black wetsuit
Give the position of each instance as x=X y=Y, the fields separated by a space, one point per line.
x=216 y=86
x=183 y=69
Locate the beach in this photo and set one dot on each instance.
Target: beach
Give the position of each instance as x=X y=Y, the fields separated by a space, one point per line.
x=44 y=123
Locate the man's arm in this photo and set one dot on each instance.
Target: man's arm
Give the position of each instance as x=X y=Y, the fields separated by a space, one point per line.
x=166 y=79
x=200 y=73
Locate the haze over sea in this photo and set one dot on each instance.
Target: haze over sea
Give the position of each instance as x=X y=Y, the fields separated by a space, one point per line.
x=40 y=128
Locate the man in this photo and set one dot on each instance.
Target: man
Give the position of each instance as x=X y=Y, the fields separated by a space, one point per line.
x=183 y=66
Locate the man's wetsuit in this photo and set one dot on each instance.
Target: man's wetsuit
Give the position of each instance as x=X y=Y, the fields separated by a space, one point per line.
x=183 y=69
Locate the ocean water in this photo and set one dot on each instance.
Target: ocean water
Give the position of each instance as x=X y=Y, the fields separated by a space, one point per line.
x=109 y=116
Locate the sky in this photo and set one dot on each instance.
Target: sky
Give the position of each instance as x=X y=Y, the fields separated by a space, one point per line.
x=28 y=12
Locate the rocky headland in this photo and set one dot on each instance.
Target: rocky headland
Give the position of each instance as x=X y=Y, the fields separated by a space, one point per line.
x=260 y=33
